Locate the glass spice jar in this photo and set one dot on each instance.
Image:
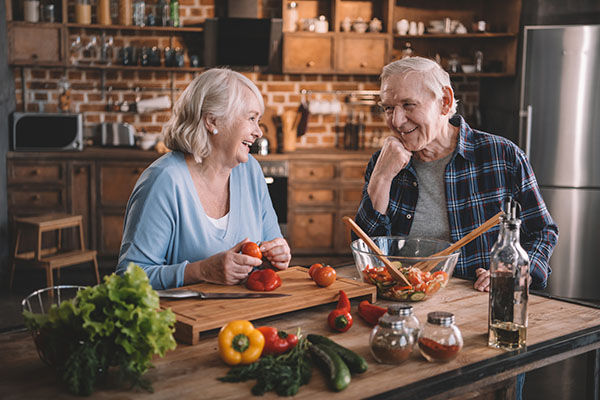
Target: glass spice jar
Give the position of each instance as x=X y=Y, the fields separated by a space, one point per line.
x=406 y=312
x=440 y=339
x=391 y=341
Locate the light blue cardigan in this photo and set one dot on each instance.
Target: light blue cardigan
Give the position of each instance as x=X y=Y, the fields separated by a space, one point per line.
x=166 y=227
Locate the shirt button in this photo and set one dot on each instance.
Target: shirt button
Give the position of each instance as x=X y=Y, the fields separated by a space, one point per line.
x=408 y=216
x=415 y=184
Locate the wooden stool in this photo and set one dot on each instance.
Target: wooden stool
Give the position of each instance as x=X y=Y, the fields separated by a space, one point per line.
x=51 y=258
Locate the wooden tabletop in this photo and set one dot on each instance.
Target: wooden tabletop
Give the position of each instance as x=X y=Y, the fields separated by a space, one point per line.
x=557 y=330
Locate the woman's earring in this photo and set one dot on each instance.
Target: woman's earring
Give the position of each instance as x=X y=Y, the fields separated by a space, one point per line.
x=215 y=131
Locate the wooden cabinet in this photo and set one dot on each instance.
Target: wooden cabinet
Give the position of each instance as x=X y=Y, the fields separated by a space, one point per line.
x=25 y=46
x=321 y=193
x=366 y=53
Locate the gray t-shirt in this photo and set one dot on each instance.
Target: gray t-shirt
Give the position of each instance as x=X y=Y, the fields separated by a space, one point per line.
x=431 y=214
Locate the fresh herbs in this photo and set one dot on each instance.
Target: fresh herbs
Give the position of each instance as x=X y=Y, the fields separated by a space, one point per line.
x=284 y=373
x=116 y=323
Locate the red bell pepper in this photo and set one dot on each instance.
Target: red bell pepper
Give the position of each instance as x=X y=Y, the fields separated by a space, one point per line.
x=370 y=312
x=340 y=319
x=277 y=342
x=263 y=280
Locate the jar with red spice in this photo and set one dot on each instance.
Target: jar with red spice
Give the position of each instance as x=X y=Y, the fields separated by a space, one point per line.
x=392 y=341
x=440 y=339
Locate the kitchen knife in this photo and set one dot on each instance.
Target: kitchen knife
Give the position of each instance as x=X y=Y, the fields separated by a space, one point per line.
x=185 y=294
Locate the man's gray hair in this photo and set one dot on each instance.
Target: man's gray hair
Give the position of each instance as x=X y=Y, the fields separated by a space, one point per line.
x=218 y=92
x=431 y=74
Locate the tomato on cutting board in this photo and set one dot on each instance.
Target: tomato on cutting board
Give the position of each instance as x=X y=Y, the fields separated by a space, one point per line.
x=313 y=268
x=324 y=276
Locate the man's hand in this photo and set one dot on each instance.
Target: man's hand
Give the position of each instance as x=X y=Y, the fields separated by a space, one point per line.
x=392 y=159
x=482 y=283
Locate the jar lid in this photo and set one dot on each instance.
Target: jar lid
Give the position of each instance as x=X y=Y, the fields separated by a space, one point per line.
x=442 y=318
x=391 y=321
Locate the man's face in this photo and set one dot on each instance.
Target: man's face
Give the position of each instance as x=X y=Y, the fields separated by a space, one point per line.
x=411 y=111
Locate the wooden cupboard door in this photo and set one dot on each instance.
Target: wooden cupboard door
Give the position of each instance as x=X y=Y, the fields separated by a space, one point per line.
x=117 y=182
x=351 y=196
x=361 y=53
x=82 y=199
x=34 y=44
x=36 y=200
x=312 y=230
x=307 y=171
x=307 y=53
x=312 y=196
x=110 y=233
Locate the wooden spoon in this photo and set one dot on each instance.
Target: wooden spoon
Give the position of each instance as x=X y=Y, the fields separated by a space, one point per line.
x=399 y=276
x=487 y=225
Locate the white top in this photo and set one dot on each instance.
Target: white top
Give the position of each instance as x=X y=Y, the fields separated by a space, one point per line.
x=220 y=223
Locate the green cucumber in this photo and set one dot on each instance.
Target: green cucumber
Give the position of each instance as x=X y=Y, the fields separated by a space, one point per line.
x=333 y=365
x=356 y=363
x=417 y=296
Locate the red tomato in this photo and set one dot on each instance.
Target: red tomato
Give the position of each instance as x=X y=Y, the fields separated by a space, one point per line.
x=313 y=268
x=251 y=249
x=324 y=276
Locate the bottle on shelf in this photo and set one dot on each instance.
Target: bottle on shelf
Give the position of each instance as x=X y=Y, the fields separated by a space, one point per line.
x=31 y=10
x=291 y=20
x=139 y=13
x=174 y=13
x=125 y=12
x=162 y=13
x=509 y=286
x=83 y=12
x=103 y=12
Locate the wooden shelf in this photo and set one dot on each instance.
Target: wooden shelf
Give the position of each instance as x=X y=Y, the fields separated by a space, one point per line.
x=166 y=29
x=485 y=35
x=110 y=67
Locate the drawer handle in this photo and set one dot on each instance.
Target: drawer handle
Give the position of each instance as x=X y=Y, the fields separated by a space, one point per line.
x=311 y=172
x=311 y=197
x=35 y=172
x=35 y=197
x=311 y=63
x=310 y=221
x=364 y=64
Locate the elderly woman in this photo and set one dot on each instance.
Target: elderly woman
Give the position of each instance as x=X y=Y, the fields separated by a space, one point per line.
x=191 y=210
x=436 y=177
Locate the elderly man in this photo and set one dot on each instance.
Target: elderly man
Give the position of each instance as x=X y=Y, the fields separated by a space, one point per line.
x=436 y=177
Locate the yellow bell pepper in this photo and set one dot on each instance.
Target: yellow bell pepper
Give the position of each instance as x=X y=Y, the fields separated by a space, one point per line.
x=240 y=343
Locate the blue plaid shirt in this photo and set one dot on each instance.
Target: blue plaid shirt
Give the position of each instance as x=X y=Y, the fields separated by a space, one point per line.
x=484 y=170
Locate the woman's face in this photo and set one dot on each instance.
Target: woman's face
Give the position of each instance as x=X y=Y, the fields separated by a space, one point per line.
x=233 y=141
x=411 y=111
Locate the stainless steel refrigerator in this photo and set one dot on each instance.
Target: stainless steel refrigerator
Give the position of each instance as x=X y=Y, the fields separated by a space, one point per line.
x=560 y=132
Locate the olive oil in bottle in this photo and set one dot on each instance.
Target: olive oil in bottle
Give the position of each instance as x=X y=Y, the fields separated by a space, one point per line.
x=509 y=289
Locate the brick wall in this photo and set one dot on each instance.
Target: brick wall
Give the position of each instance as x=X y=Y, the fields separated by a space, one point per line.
x=281 y=91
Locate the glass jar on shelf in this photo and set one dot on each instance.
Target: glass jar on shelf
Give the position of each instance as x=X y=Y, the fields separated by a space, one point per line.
x=440 y=339
x=83 y=12
x=125 y=12
x=31 y=10
x=139 y=13
x=103 y=12
x=291 y=19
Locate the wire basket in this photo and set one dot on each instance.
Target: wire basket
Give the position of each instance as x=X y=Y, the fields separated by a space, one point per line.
x=40 y=302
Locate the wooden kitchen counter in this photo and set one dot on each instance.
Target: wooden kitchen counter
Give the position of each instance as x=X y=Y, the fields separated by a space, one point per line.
x=557 y=330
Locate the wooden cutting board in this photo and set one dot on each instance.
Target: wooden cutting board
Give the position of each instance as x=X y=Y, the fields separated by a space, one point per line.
x=195 y=316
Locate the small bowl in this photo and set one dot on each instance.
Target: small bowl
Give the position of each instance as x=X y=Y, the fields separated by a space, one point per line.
x=404 y=253
x=468 y=69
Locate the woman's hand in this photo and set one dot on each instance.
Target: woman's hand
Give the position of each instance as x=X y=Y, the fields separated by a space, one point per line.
x=277 y=252
x=228 y=267
x=482 y=283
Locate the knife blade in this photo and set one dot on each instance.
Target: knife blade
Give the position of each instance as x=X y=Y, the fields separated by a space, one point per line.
x=185 y=294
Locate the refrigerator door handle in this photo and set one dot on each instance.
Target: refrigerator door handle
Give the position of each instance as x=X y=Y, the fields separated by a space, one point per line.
x=527 y=115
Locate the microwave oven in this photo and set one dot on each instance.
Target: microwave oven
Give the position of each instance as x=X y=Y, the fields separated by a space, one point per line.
x=47 y=132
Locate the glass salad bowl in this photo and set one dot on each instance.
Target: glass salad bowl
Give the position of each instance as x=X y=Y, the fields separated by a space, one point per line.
x=412 y=256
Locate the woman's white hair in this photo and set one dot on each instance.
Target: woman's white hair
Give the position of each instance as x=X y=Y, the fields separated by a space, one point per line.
x=432 y=75
x=218 y=92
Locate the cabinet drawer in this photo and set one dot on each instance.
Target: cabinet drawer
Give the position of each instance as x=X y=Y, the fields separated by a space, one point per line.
x=312 y=230
x=312 y=171
x=44 y=199
x=361 y=54
x=117 y=182
x=353 y=171
x=308 y=53
x=301 y=196
x=35 y=173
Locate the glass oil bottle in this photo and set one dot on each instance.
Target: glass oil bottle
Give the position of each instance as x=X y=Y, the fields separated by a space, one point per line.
x=509 y=286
